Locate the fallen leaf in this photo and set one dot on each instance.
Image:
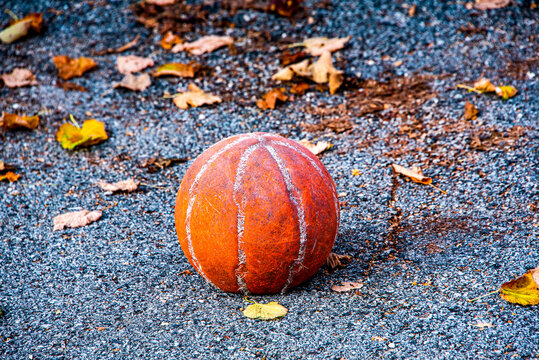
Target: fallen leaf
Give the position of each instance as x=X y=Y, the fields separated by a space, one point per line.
x=318 y=45
x=269 y=99
x=470 y=111
x=195 y=97
x=335 y=260
x=347 y=286
x=378 y=338
x=21 y=27
x=289 y=57
x=285 y=8
x=169 y=40
x=397 y=63
x=10 y=176
x=5 y=167
x=177 y=69
x=412 y=10
x=490 y=4
x=270 y=311
x=72 y=136
x=66 y=85
x=122 y=48
x=131 y=63
x=135 y=83
x=523 y=290
x=482 y=325
x=14 y=121
x=506 y=92
x=484 y=85
x=153 y=165
x=19 y=77
x=69 y=68
x=124 y=185
x=299 y=89
x=204 y=44
x=160 y=2
x=414 y=173
x=101 y=328
x=76 y=219
x=317 y=148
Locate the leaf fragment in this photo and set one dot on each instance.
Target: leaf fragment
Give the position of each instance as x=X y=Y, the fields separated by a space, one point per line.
x=483 y=325
x=506 y=92
x=414 y=173
x=177 y=69
x=128 y=185
x=269 y=100
x=523 y=290
x=134 y=82
x=318 y=45
x=169 y=40
x=470 y=111
x=14 y=121
x=335 y=260
x=203 y=45
x=317 y=148
x=270 y=311
x=92 y=132
x=132 y=63
x=76 y=219
x=347 y=286
x=195 y=97
x=9 y=176
x=19 y=77
x=160 y=2
x=69 y=68
x=484 y=85
x=21 y=27
x=299 y=89
x=491 y=4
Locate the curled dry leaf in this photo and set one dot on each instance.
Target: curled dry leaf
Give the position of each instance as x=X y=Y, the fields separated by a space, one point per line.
x=318 y=45
x=270 y=311
x=169 y=40
x=347 y=286
x=71 y=136
x=124 y=185
x=135 y=83
x=470 y=111
x=491 y=4
x=195 y=97
x=9 y=176
x=506 y=92
x=19 y=77
x=317 y=148
x=69 y=68
x=76 y=219
x=414 y=173
x=21 y=27
x=269 y=100
x=523 y=290
x=204 y=44
x=14 y=121
x=131 y=63
x=335 y=260
x=177 y=69
x=484 y=85
x=323 y=71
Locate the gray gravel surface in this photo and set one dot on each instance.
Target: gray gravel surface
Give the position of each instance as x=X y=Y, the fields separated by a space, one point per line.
x=115 y=289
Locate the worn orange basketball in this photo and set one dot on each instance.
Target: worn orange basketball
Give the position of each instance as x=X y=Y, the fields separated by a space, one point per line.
x=257 y=213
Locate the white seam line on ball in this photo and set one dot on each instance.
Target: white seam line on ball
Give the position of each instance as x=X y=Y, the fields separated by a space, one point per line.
x=240 y=172
x=295 y=198
x=192 y=198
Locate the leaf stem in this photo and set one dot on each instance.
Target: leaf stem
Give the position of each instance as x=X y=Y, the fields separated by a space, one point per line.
x=249 y=300
x=437 y=188
x=12 y=14
x=73 y=120
x=469 y=88
x=485 y=295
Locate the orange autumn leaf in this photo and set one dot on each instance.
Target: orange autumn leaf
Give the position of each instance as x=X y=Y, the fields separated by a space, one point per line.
x=470 y=111
x=414 y=173
x=299 y=89
x=69 y=68
x=269 y=100
x=10 y=176
x=523 y=290
x=506 y=92
x=14 y=121
x=20 y=28
x=484 y=85
x=177 y=69
x=169 y=40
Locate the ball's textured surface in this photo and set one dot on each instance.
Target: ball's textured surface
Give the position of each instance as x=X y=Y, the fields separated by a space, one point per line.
x=257 y=213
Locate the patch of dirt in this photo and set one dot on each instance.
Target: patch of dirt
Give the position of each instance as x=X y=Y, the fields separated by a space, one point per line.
x=519 y=69
x=337 y=125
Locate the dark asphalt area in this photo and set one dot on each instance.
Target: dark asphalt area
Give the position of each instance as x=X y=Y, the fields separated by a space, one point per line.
x=117 y=288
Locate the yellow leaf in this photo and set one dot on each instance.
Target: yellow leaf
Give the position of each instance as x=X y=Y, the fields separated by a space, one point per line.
x=523 y=290
x=414 y=173
x=270 y=311
x=506 y=92
x=10 y=176
x=71 y=136
x=21 y=27
x=176 y=69
x=355 y=172
x=484 y=85
x=194 y=97
x=70 y=68
x=14 y=121
x=318 y=45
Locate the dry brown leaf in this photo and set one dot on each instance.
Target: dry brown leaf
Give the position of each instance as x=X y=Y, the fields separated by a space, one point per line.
x=318 y=45
x=131 y=63
x=490 y=4
x=160 y=2
x=414 y=173
x=299 y=89
x=484 y=85
x=317 y=148
x=66 y=85
x=470 y=111
x=322 y=68
x=287 y=73
x=135 y=83
x=122 y=48
x=269 y=100
x=169 y=40
x=195 y=97
x=69 y=68
x=177 y=69
x=347 y=286
x=14 y=121
x=204 y=44
x=124 y=185
x=19 y=77
x=335 y=260
x=76 y=219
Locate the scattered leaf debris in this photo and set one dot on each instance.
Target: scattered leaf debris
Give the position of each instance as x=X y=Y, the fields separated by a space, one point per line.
x=270 y=311
x=195 y=97
x=335 y=261
x=69 y=68
x=19 y=77
x=76 y=219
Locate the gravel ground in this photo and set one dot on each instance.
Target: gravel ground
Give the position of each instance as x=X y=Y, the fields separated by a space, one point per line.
x=115 y=289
